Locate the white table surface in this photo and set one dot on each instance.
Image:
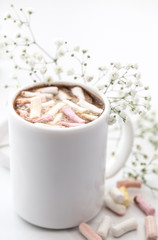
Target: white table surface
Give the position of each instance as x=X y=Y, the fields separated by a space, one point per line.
x=118 y=30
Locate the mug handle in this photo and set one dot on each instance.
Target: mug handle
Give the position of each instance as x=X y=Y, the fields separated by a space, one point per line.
x=124 y=149
x=4 y=159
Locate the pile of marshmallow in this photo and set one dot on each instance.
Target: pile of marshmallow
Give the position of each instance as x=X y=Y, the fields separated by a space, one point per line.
x=44 y=110
x=118 y=201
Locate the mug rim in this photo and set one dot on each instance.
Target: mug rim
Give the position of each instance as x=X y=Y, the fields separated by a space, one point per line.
x=93 y=90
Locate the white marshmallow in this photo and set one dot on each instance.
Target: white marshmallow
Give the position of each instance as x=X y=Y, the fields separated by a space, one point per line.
x=117 y=195
x=104 y=227
x=48 y=104
x=35 y=110
x=124 y=227
x=53 y=90
x=62 y=95
x=78 y=92
x=75 y=106
x=55 y=108
x=89 y=106
x=29 y=94
x=115 y=207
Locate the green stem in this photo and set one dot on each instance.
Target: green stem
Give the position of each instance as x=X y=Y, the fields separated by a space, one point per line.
x=4 y=145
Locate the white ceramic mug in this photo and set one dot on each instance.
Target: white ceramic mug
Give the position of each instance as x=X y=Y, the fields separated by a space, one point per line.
x=58 y=174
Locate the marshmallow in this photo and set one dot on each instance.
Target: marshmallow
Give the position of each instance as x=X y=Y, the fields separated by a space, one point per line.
x=124 y=227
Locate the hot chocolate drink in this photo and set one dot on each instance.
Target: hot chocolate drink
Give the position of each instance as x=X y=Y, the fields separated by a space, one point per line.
x=58 y=106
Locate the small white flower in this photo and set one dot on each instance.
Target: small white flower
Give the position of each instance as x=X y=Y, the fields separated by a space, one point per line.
x=128 y=83
x=18 y=35
x=133 y=92
x=138 y=76
x=118 y=109
x=61 y=52
x=148 y=106
x=30 y=11
x=147 y=97
x=112 y=119
x=88 y=78
x=123 y=104
x=70 y=72
x=7 y=15
x=100 y=86
x=123 y=114
x=117 y=65
x=43 y=70
x=76 y=48
x=59 y=42
x=19 y=23
x=135 y=66
x=103 y=68
x=14 y=76
x=31 y=62
x=114 y=75
x=140 y=111
x=155 y=168
x=58 y=70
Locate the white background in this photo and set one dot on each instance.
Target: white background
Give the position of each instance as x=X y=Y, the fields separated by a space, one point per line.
x=112 y=30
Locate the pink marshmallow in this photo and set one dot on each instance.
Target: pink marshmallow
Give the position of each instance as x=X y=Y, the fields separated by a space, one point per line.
x=72 y=115
x=45 y=118
x=144 y=205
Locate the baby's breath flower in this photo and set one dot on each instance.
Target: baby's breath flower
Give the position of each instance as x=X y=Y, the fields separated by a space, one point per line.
x=58 y=69
x=30 y=11
x=155 y=168
x=103 y=68
x=88 y=78
x=128 y=83
x=138 y=76
x=7 y=15
x=70 y=72
x=112 y=119
x=117 y=65
x=133 y=92
x=14 y=76
x=43 y=70
x=61 y=52
x=59 y=42
x=76 y=48
x=114 y=75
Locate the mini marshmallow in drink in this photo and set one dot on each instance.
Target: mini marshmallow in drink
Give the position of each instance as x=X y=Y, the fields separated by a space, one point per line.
x=67 y=110
x=35 y=110
x=29 y=94
x=43 y=119
x=56 y=108
x=62 y=95
x=104 y=227
x=88 y=232
x=124 y=227
x=48 y=103
x=89 y=116
x=53 y=90
x=114 y=207
x=89 y=106
x=75 y=106
x=58 y=117
x=117 y=195
x=78 y=92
